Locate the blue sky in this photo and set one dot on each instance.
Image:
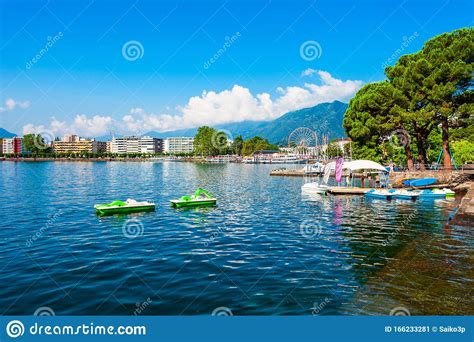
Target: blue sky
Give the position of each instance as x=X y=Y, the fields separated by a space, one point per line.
x=86 y=83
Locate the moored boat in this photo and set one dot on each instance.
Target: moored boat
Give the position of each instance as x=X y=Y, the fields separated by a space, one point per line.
x=437 y=193
x=420 y=182
x=380 y=193
x=200 y=198
x=405 y=194
x=314 y=188
x=120 y=207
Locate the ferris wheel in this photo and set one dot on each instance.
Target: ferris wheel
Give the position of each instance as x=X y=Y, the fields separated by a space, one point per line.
x=303 y=140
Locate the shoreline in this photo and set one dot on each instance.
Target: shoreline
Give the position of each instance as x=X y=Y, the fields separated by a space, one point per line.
x=460 y=181
x=119 y=159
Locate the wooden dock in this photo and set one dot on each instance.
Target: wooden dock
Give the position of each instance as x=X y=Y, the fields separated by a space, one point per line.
x=288 y=172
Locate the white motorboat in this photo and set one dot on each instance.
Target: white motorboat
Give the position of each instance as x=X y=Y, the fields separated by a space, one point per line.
x=314 y=188
x=316 y=168
x=320 y=187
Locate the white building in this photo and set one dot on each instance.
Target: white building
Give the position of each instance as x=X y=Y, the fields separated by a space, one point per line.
x=150 y=145
x=175 y=145
x=136 y=145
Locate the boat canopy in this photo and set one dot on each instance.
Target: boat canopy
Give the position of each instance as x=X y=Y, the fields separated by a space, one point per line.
x=358 y=165
x=363 y=165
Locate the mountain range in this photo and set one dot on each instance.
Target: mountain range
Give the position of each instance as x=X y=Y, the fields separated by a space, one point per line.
x=324 y=118
x=5 y=134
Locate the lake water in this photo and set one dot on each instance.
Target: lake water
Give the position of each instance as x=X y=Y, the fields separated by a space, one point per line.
x=264 y=250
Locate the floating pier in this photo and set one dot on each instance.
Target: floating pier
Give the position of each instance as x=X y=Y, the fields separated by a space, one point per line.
x=288 y=172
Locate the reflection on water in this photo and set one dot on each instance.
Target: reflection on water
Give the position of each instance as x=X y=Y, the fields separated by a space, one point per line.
x=265 y=249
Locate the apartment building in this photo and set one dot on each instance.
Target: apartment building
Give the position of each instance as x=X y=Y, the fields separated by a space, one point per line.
x=12 y=145
x=75 y=144
x=134 y=144
x=174 y=145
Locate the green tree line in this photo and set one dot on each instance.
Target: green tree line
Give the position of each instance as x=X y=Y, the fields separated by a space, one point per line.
x=424 y=106
x=211 y=142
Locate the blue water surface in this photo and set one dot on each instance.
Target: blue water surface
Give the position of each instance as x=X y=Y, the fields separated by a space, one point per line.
x=266 y=249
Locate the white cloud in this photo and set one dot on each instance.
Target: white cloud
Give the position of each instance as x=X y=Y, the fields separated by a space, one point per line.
x=309 y=72
x=82 y=125
x=212 y=108
x=10 y=104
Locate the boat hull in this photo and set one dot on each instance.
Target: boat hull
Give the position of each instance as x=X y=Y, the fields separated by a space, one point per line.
x=407 y=197
x=124 y=210
x=433 y=194
x=380 y=196
x=422 y=182
x=314 y=188
x=187 y=204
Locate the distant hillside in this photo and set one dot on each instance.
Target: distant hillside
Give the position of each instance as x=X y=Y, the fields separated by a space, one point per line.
x=323 y=118
x=5 y=134
x=244 y=128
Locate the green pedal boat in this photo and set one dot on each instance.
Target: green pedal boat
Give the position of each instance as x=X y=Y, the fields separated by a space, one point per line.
x=120 y=207
x=200 y=198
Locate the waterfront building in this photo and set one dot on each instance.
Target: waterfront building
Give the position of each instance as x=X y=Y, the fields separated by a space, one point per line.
x=174 y=145
x=12 y=145
x=134 y=144
x=70 y=138
x=75 y=144
x=150 y=145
